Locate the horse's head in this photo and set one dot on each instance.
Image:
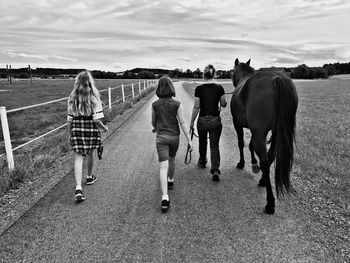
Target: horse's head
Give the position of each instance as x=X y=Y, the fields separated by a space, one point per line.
x=240 y=70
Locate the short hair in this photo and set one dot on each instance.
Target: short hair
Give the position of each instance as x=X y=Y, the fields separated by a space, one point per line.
x=209 y=72
x=165 y=88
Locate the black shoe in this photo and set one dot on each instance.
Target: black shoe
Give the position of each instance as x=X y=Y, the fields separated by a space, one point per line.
x=202 y=164
x=170 y=185
x=216 y=177
x=79 y=196
x=91 y=180
x=165 y=205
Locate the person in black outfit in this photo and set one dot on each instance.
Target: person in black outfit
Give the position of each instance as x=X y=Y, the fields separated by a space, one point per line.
x=208 y=97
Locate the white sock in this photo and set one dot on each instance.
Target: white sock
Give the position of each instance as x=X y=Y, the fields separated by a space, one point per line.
x=89 y=176
x=78 y=187
x=170 y=180
x=165 y=197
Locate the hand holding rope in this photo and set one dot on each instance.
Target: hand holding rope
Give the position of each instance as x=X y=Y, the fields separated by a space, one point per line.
x=188 y=157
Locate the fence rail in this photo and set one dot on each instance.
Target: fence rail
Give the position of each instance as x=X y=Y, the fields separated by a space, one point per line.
x=5 y=128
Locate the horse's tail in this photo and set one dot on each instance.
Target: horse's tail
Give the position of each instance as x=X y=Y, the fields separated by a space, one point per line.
x=284 y=133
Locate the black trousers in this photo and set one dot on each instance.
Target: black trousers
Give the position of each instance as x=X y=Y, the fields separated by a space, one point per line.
x=210 y=125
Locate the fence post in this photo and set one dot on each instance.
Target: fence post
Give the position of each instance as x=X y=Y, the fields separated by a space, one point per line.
x=132 y=90
x=109 y=98
x=123 y=94
x=139 y=87
x=30 y=72
x=7 y=74
x=10 y=74
x=7 y=139
x=144 y=84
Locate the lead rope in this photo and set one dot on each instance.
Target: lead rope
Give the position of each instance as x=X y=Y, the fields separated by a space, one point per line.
x=188 y=157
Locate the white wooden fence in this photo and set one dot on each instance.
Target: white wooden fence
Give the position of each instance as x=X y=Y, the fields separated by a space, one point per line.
x=5 y=128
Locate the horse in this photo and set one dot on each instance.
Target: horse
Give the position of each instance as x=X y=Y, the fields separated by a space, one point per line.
x=266 y=102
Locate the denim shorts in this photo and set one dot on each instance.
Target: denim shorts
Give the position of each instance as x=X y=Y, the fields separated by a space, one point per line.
x=167 y=146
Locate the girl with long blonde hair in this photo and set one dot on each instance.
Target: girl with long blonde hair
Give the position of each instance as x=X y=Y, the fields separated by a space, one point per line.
x=84 y=120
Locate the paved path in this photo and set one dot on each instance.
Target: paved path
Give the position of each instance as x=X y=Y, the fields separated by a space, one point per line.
x=120 y=221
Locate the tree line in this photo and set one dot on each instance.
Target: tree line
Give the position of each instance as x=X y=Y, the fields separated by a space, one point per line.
x=299 y=72
x=305 y=72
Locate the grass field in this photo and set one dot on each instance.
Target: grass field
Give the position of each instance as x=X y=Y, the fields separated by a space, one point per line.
x=22 y=93
x=321 y=166
x=323 y=138
x=30 y=123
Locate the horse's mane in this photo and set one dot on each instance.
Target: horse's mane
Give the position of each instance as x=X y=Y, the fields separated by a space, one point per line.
x=247 y=68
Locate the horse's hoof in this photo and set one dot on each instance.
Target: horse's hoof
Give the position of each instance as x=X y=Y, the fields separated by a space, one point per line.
x=240 y=165
x=269 y=210
x=262 y=183
x=255 y=168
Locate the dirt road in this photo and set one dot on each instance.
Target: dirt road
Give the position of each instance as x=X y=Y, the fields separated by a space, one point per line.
x=120 y=221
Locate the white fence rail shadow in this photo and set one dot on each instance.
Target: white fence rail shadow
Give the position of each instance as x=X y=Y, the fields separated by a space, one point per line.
x=140 y=87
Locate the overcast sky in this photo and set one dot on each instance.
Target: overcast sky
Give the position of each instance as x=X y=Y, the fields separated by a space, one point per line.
x=186 y=34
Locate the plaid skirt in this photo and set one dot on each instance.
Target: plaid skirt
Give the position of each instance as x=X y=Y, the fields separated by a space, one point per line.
x=85 y=135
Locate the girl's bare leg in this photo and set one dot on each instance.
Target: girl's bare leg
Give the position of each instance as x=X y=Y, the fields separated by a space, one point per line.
x=78 y=169
x=163 y=176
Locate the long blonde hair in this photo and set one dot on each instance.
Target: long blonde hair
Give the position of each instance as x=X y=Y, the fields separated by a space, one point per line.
x=84 y=96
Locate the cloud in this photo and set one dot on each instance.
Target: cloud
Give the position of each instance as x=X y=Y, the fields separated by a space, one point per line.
x=14 y=54
x=78 y=5
x=171 y=32
x=117 y=66
x=221 y=65
x=285 y=60
x=186 y=59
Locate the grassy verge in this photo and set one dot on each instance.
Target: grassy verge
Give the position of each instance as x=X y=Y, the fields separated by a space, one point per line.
x=36 y=158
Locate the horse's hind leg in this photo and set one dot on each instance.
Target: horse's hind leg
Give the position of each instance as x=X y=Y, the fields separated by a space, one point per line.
x=239 y=131
x=259 y=143
x=271 y=154
x=255 y=166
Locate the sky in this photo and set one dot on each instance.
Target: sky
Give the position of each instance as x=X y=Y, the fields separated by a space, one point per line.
x=186 y=34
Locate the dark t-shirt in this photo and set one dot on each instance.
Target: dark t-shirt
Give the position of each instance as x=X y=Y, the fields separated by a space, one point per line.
x=166 y=116
x=209 y=95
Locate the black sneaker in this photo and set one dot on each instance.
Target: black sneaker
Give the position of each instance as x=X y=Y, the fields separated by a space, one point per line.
x=202 y=164
x=79 y=196
x=165 y=205
x=170 y=185
x=91 y=180
x=216 y=177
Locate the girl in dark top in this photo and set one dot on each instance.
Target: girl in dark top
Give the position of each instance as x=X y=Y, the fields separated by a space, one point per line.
x=208 y=96
x=167 y=114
